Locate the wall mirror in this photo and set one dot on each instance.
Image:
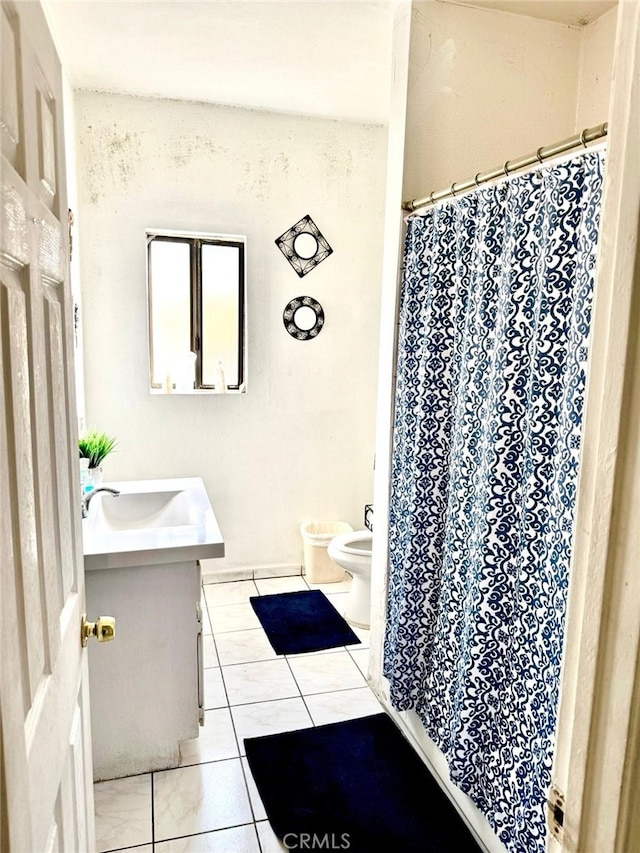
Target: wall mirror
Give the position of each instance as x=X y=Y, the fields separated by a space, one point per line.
x=196 y=294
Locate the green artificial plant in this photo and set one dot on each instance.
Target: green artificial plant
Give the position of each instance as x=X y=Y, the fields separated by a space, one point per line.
x=95 y=446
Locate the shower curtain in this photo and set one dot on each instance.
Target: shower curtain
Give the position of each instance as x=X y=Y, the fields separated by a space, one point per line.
x=494 y=327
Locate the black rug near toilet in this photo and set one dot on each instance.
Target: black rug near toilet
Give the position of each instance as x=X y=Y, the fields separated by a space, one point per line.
x=356 y=785
x=297 y=622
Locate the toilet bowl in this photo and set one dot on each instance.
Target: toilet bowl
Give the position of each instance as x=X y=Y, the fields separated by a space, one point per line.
x=352 y=551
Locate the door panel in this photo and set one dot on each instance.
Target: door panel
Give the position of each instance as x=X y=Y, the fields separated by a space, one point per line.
x=10 y=112
x=28 y=641
x=46 y=762
x=61 y=527
x=46 y=143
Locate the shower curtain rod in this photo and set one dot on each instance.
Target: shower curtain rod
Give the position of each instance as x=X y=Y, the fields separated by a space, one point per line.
x=545 y=153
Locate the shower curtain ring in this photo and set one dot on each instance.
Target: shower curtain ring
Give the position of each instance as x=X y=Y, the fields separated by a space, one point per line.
x=506 y=168
x=451 y=189
x=476 y=179
x=582 y=138
x=433 y=201
x=539 y=155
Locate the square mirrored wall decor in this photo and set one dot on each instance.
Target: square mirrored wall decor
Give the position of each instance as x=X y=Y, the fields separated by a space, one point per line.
x=304 y=246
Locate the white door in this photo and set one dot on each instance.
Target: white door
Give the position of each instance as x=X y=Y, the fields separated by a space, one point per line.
x=45 y=758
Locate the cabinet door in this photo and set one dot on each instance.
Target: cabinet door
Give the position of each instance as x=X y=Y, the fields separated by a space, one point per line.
x=152 y=664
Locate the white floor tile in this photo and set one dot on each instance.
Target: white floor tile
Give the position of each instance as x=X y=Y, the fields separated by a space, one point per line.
x=258 y=682
x=123 y=812
x=234 y=592
x=273 y=586
x=342 y=705
x=209 y=652
x=239 y=839
x=268 y=718
x=324 y=673
x=214 y=693
x=257 y=805
x=269 y=841
x=216 y=741
x=244 y=647
x=206 y=623
x=332 y=650
x=202 y=798
x=363 y=635
x=338 y=599
x=361 y=657
x=233 y=617
x=332 y=588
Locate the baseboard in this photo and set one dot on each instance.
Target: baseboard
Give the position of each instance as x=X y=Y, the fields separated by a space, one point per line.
x=211 y=573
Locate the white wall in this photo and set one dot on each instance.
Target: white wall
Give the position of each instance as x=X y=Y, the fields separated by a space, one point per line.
x=484 y=87
x=596 y=71
x=299 y=445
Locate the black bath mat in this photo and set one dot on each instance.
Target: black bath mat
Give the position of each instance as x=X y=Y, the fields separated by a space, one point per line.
x=359 y=784
x=297 y=622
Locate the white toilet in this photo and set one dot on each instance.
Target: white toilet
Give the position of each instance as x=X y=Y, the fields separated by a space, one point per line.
x=352 y=551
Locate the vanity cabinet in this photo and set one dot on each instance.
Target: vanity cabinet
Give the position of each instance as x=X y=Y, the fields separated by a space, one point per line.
x=145 y=686
x=142 y=542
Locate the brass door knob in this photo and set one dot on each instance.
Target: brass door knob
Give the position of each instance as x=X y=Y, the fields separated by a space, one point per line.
x=103 y=629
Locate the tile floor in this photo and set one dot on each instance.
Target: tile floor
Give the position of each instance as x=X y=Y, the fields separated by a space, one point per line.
x=210 y=803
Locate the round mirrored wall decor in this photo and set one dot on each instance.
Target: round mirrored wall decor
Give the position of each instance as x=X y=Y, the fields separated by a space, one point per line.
x=303 y=318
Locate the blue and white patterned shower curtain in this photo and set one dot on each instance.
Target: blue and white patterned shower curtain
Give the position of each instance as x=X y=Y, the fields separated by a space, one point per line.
x=494 y=327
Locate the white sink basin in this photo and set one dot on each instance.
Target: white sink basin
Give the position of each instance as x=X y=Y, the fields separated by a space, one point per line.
x=149 y=522
x=142 y=510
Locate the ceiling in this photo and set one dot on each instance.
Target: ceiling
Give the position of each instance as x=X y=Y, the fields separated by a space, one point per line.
x=328 y=58
x=312 y=57
x=573 y=12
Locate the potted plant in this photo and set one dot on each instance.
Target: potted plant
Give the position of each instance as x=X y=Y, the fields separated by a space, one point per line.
x=95 y=446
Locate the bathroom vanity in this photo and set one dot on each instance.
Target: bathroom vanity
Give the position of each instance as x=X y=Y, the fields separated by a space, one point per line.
x=142 y=551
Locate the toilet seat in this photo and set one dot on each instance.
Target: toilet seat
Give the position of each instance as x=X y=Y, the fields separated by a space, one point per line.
x=353 y=542
x=352 y=551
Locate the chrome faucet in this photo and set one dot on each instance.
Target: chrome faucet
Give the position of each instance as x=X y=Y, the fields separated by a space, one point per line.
x=87 y=498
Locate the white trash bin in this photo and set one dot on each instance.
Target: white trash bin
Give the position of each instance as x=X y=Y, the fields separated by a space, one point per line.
x=316 y=535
